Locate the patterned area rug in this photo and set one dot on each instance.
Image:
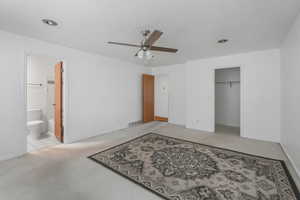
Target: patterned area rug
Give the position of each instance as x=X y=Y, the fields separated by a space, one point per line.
x=176 y=169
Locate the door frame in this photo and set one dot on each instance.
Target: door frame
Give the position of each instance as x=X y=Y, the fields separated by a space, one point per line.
x=58 y=100
x=65 y=90
x=242 y=91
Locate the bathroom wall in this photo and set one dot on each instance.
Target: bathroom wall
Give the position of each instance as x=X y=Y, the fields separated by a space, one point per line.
x=40 y=70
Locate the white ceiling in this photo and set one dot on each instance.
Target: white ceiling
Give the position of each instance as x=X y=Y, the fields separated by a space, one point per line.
x=192 y=26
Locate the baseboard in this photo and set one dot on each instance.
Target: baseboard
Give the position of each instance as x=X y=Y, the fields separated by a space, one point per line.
x=11 y=156
x=177 y=124
x=135 y=123
x=98 y=133
x=290 y=159
x=161 y=119
x=232 y=126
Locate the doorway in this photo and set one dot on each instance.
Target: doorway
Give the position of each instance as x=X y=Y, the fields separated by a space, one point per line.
x=44 y=108
x=161 y=98
x=227 y=101
x=155 y=98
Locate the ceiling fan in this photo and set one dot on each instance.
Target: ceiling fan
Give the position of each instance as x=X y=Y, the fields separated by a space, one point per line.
x=147 y=45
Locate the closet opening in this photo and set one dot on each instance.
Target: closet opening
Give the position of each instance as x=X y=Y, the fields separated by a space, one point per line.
x=227 y=101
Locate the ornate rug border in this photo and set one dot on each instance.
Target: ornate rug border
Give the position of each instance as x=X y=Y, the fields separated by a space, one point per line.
x=291 y=180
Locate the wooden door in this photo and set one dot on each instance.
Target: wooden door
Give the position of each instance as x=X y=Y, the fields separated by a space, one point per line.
x=148 y=98
x=58 y=102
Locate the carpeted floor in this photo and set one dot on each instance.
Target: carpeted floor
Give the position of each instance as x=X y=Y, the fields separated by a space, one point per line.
x=179 y=169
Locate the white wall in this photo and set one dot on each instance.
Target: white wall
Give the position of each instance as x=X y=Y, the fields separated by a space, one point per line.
x=260 y=97
x=161 y=96
x=176 y=90
x=192 y=97
x=12 y=103
x=290 y=78
x=227 y=97
x=101 y=94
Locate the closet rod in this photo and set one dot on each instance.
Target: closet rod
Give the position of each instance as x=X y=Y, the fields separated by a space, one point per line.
x=37 y=84
x=221 y=82
x=227 y=82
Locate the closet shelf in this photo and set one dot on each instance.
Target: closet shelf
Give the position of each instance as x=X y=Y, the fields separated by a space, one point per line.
x=227 y=82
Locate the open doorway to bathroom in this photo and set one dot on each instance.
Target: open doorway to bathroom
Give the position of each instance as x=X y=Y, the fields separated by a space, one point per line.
x=44 y=102
x=227 y=101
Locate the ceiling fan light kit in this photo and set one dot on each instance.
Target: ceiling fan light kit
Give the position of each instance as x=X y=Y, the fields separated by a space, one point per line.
x=142 y=54
x=147 y=45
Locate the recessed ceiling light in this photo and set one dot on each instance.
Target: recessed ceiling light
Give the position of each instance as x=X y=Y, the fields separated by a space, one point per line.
x=222 y=41
x=49 y=22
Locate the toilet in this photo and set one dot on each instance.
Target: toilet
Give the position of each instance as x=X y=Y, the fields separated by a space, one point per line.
x=35 y=124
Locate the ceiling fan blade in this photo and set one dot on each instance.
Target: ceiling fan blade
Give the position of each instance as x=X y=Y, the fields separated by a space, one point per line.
x=124 y=44
x=165 y=49
x=155 y=35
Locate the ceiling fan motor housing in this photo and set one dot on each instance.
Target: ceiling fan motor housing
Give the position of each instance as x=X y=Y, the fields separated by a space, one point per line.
x=145 y=33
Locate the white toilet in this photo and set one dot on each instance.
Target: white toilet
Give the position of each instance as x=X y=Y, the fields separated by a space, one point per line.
x=35 y=123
